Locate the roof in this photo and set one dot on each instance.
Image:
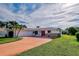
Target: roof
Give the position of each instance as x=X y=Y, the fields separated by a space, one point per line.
x=48 y=28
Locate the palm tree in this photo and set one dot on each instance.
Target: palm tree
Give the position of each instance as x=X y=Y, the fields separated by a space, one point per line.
x=2 y=24
x=12 y=26
x=20 y=27
x=16 y=27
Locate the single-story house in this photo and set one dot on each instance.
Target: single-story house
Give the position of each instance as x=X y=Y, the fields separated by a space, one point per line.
x=6 y=32
x=34 y=32
x=41 y=32
x=3 y=32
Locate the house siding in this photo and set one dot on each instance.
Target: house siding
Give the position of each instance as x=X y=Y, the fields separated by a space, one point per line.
x=27 y=32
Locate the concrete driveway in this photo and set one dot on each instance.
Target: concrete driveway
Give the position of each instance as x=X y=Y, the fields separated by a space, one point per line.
x=13 y=48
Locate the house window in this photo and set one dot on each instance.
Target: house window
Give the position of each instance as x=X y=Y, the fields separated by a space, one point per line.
x=49 y=31
x=35 y=32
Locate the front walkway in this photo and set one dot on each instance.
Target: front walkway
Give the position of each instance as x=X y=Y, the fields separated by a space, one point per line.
x=13 y=48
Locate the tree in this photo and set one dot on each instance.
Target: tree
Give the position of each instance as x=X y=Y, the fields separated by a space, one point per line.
x=77 y=28
x=19 y=27
x=65 y=31
x=12 y=26
x=77 y=36
x=2 y=24
x=72 y=30
x=16 y=27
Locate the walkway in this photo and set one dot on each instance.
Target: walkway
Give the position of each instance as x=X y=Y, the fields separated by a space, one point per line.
x=13 y=48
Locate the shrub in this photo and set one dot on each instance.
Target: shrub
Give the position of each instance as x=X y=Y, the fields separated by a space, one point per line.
x=72 y=30
x=65 y=32
x=77 y=36
x=59 y=35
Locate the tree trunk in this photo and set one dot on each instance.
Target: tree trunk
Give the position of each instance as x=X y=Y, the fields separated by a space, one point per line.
x=19 y=31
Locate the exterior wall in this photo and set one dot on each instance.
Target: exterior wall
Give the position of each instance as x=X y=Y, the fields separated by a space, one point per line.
x=3 y=32
x=54 y=33
x=39 y=34
x=26 y=33
x=29 y=32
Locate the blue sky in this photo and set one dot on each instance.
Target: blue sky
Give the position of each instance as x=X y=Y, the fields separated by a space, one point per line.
x=44 y=15
x=15 y=7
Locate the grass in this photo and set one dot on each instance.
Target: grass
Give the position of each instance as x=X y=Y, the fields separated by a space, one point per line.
x=8 y=40
x=64 y=46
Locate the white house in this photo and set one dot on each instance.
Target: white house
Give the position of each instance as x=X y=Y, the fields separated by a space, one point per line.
x=35 y=32
x=41 y=32
x=3 y=32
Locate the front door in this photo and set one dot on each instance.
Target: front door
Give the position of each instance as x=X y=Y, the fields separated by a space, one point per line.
x=42 y=33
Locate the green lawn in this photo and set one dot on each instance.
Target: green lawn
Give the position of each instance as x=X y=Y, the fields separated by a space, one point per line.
x=7 y=40
x=64 y=46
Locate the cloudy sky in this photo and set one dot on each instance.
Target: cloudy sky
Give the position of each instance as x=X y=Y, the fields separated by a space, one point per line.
x=60 y=15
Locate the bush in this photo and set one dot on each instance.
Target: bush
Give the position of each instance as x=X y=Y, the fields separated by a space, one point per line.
x=59 y=35
x=65 y=32
x=77 y=36
x=72 y=30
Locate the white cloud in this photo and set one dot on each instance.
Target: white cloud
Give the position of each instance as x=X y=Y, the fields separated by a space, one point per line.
x=56 y=15
x=59 y=15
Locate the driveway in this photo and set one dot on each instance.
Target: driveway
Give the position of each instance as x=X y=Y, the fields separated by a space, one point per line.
x=13 y=48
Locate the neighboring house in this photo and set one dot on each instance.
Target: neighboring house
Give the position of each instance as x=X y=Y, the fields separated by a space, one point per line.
x=41 y=32
x=3 y=32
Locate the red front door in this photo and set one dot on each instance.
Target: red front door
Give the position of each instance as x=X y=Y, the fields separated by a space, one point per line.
x=42 y=33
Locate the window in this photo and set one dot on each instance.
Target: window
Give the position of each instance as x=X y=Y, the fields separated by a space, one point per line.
x=49 y=31
x=35 y=32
